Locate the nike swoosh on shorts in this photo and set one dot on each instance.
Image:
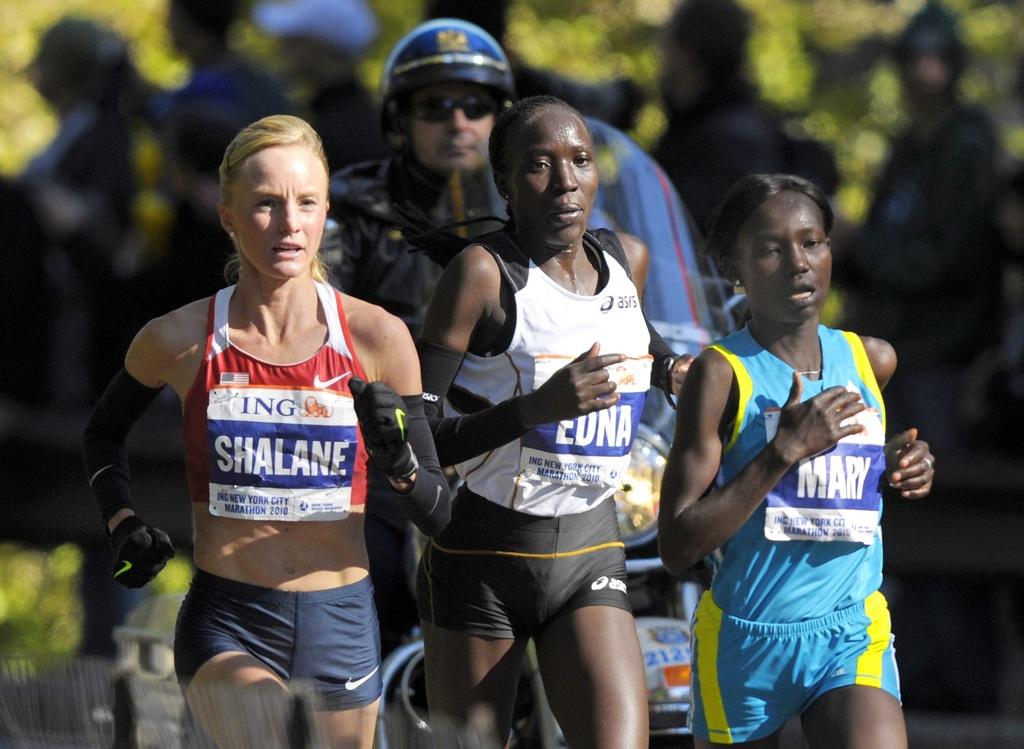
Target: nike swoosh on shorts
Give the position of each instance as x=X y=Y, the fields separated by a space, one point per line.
x=318 y=383
x=351 y=684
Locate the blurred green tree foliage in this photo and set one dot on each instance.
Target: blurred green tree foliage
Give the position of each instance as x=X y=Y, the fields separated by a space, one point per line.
x=821 y=63
x=40 y=610
x=39 y=606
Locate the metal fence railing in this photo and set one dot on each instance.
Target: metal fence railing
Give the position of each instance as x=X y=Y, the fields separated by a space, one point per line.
x=55 y=702
x=93 y=703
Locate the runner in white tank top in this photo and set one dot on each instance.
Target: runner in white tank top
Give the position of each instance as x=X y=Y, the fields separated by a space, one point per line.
x=536 y=342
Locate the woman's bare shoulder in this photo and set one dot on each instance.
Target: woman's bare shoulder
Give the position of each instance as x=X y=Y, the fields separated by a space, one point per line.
x=369 y=323
x=382 y=341
x=182 y=327
x=634 y=247
x=475 y=267
x=166 y=345
x=882 y=356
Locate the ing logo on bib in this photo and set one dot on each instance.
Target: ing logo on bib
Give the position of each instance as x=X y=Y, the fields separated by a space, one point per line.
x=280 y=453
x=313 y=407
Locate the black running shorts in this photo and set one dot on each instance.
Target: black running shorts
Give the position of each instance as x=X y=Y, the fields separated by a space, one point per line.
x=495 y=572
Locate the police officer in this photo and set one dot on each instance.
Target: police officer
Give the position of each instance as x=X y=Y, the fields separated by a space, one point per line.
x=442 y=86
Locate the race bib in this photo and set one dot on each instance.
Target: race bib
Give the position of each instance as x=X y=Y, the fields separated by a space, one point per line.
x=592 y=449
x=832 y=496
x=280 y=454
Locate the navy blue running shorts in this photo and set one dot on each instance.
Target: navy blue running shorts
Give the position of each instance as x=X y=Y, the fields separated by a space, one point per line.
x=328 y=638
x=496 y=572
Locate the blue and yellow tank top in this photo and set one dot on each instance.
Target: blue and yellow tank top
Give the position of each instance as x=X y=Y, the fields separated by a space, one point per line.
x=814 y=545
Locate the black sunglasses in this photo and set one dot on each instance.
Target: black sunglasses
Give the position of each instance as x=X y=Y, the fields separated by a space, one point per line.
x=440 y=108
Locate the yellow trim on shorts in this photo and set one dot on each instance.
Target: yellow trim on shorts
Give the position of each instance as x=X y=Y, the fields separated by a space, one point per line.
x=867 y=374
x=869 y=664
x=746 y=389
x=530 y=555
x=708 y=623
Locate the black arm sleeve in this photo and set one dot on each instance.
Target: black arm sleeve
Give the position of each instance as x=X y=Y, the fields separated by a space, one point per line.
x=103 y=443
x=460 y=438
x=428 y=505
x=664 y=359
x=438 y=367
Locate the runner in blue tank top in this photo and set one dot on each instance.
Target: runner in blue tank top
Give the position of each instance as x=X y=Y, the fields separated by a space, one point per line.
x=775 y=477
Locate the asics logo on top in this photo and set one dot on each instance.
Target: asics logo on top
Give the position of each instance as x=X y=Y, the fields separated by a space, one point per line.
x=623 y=302
x=318 y=383
x=608 y=582
x=353 y=684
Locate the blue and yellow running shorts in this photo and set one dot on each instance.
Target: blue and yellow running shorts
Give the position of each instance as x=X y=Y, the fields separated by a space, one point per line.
x=749 y=677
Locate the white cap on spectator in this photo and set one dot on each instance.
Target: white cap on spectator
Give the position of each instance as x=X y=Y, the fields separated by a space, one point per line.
x=349 y=25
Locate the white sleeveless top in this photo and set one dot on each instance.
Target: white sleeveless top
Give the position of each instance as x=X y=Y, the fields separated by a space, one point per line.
x=570 y=466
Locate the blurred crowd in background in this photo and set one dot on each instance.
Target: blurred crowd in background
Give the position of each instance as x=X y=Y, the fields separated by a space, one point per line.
x=115 y=220
x=119 y=208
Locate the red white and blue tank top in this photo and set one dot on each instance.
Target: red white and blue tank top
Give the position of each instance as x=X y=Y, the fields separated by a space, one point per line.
x=275 y=441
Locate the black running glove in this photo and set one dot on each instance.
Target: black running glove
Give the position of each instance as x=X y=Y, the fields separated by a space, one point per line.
x=381 y=415
x=140 y=552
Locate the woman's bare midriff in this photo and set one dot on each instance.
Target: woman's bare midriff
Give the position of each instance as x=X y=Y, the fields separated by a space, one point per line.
x=299 y=556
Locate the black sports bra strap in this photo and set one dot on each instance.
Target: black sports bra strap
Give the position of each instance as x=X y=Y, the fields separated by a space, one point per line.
x=608 y=241
x=514 y=268
x=513 y=264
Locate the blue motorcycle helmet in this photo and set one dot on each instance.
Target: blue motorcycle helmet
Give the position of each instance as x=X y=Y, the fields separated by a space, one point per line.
x=441 y=50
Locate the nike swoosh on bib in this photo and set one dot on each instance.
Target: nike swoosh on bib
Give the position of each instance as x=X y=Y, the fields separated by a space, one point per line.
x=351 y=684
x=318 y=383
